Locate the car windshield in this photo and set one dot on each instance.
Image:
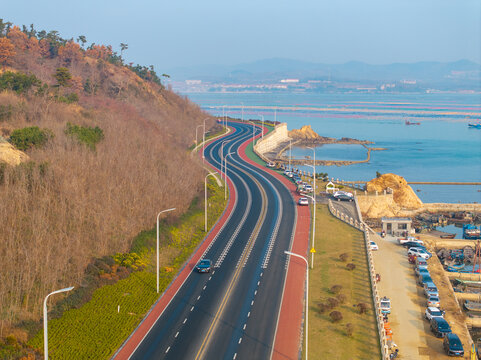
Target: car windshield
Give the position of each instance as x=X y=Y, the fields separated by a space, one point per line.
x=433 y=298
x=204 y=262
x=385 y=303
x=436 y=313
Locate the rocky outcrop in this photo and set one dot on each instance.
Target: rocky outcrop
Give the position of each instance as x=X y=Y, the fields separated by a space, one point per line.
x=10 y=155
x=402 y=200
x=403 y=194
x=306 y=133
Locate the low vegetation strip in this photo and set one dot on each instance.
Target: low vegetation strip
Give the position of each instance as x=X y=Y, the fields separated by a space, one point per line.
x=342 y=323
x=96 y=329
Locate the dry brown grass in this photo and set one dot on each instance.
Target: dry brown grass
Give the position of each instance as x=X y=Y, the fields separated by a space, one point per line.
x=89 y=203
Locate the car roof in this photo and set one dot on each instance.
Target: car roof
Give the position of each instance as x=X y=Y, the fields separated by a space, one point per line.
x=452 y=336
x=429 y=284
x=440 y=320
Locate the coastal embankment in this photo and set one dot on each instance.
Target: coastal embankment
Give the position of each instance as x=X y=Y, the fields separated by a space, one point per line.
x=274 y=145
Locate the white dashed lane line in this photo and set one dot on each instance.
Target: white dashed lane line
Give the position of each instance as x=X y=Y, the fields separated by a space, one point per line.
x=240 y=340
x=185 y=320
x=192 y=308
x=176 y=334
x=198 y=297
x=166 y=351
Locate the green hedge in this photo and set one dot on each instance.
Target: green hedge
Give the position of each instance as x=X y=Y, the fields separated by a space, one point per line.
x=26 y=138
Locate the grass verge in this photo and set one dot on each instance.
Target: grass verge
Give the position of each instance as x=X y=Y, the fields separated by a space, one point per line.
x=98 y=328
x=329 y=339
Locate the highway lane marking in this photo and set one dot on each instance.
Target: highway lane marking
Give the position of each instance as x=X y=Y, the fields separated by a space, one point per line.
x=166 y=351
x=252 y=302
x=198 y=297
x=254 y=235
x=204 y=287
x=176 y=334
x=244 y=327
x=255 y=293
x=192 y=308
x=210 y=277
x=235 y=355
x=249 y=314
x=184 y=321
x=258 y=283
x=240 y=340
x=239 y=226
x=231 y=286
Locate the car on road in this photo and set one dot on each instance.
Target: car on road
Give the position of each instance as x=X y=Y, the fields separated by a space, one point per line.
x=308 y=188
x=270 y=164
x=452 y=345
x=432 y=312
x=411 y=244
x=421 y=271
x=343 y=195
x=410 y=239
x=433 y=301
x=424 y=279
x=303 y=201
x=385 y=305
x=419 y=252
x=439 y=327
x=421 y=263
x=373 y=246
x=430 y=289
x=203 y=266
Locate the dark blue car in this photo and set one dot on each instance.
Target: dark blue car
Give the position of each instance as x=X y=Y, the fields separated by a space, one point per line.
x=452 y=345
x=203 y=266
x=439 y=327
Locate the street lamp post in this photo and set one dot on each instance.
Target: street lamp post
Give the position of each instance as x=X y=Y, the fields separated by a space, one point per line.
x=205 y=200
x=262 y=116
x=225 y=174
x=196 y=143
x=45 y=320
x=203 y=143
x=313 y=198
x=163 y=211
x=290 y=154
x=242 y=117
x=222 y=157
x=224 y=118
x=315 y=204
x=307 y=292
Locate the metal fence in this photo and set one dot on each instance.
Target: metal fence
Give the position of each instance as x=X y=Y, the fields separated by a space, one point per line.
x=360 y=225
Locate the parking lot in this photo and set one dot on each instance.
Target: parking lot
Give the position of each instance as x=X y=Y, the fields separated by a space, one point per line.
x=411 y=332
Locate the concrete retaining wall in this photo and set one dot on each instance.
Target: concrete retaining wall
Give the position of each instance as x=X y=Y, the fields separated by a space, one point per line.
x=273 y=139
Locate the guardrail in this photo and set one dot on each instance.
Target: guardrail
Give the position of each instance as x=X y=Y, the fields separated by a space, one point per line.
x=360 y=225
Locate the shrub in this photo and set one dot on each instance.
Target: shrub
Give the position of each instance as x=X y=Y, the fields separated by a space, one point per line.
x=335 y=289
x=129 y=260
x=87 y=135
x=349 y=329
x=323 y=307
x=69 y=98
x=336 y=316
x=362 y=308
x=343 y=257
x=11 y=340
x=28 y=137
x=341 y=298
x=350 y=266
x=18 y=82
x=333 y=302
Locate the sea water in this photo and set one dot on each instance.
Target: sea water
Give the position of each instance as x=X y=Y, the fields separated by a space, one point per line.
x=441 y=148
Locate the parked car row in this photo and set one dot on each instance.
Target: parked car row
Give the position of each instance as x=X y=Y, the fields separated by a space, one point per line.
x=418 y=256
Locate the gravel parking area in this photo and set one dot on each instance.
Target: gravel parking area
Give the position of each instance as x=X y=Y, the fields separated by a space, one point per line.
x=411 y=332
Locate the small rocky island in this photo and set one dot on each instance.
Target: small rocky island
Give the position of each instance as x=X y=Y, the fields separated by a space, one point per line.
x=305 y=136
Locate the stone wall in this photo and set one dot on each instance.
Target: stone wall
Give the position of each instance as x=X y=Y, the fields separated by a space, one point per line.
x=273 y=139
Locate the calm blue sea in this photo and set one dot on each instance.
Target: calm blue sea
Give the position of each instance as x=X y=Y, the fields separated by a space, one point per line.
x=441 y=148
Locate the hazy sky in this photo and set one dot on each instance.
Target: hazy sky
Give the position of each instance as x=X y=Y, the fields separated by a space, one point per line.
x=175 y=33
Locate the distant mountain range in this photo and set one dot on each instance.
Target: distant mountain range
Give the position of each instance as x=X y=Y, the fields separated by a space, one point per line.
x=269 y=70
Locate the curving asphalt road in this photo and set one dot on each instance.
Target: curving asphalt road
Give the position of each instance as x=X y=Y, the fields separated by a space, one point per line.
x=232 y=313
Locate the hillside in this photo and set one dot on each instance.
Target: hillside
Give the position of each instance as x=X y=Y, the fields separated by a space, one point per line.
x=106 y=149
